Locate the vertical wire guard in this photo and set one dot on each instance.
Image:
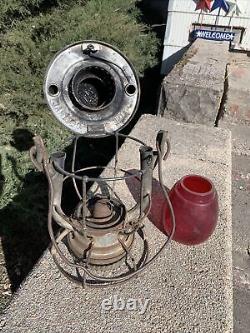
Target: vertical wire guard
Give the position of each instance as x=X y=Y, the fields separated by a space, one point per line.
x=84 y=203
x=116 y=158
x=147 y=162
x=73 y=167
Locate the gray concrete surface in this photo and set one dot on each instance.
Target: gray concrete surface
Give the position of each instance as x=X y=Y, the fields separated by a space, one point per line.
x=194 y=88
x=189 y=288
x=241 y=242
x=240 y=138
x=237 y=104
x=234 y=110
x=236 y=118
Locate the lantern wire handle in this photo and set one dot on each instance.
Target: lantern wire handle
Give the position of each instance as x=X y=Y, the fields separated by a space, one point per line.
x=98 y=281
x=116 y=158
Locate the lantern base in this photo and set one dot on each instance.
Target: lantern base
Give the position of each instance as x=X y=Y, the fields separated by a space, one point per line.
x=105 y=250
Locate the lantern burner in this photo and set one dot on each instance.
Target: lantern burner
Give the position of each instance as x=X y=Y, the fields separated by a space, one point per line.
x=104 y=220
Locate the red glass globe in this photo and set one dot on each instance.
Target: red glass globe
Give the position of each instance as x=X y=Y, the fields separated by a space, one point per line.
x=195 y=203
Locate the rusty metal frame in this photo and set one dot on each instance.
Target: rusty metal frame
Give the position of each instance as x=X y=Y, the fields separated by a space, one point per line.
x=53 y=167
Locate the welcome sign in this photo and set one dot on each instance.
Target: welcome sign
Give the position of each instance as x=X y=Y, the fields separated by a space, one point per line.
x=213 y=35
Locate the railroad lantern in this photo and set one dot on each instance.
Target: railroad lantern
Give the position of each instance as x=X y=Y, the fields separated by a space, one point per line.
x=93 y=90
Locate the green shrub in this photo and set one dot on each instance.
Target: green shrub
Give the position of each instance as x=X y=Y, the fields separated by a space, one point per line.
x=16 y=10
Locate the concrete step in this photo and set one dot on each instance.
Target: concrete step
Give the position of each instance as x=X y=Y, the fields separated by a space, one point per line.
x=237 y=102
x=189 y=288
x=241 y=241
x=240 y=137
x=194 y=89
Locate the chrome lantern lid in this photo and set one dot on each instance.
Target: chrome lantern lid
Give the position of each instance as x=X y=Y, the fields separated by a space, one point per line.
x=92 y=89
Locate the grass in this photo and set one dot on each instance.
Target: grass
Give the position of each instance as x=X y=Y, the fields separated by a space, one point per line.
x=31 y=32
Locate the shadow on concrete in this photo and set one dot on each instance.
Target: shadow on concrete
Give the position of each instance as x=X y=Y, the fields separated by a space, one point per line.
x=23 y=220
x=169 y=63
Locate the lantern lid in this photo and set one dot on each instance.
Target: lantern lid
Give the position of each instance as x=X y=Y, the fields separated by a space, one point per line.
x=92 y=88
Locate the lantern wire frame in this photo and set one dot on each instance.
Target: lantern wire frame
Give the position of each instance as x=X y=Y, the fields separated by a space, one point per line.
x=88 y=277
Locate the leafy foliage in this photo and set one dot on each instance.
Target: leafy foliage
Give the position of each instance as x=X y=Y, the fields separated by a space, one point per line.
x=16 y=10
